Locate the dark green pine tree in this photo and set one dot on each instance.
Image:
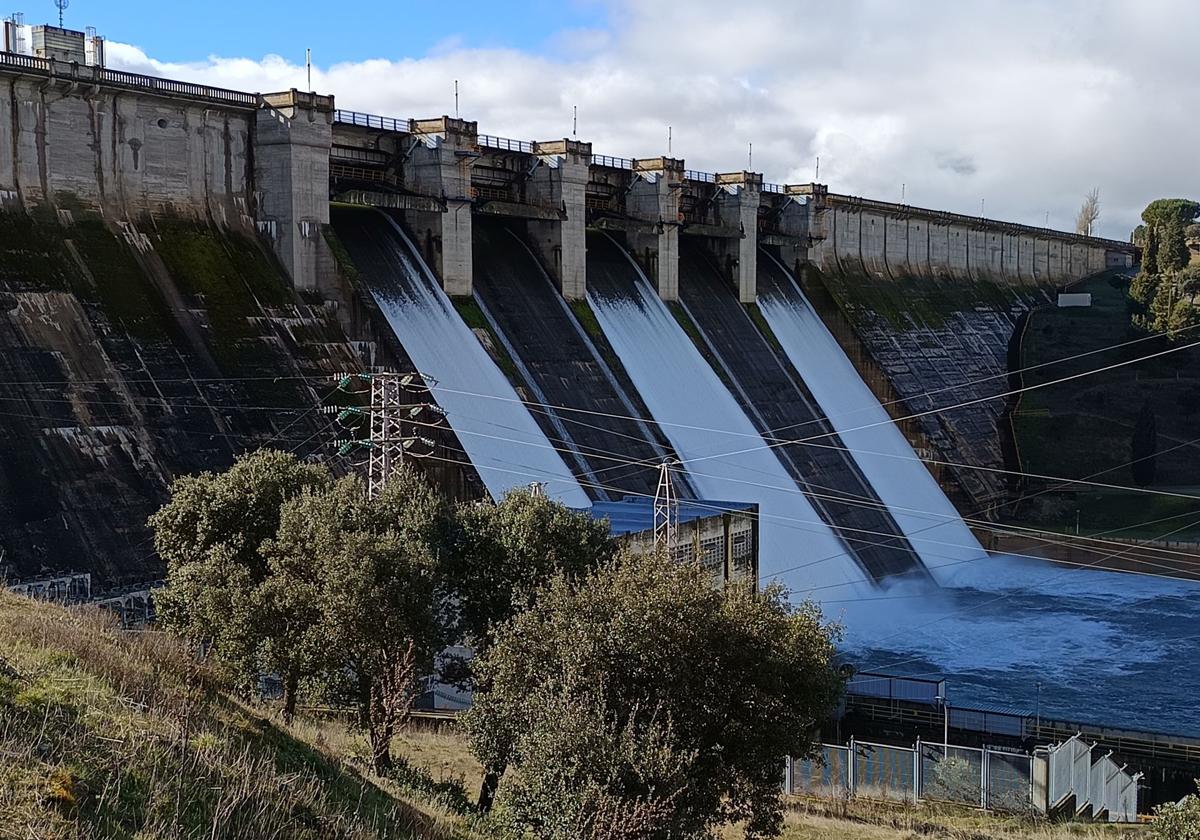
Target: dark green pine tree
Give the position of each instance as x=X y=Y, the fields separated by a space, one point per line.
x=1144 y=446
x=1172 y=249
x=1150 y=251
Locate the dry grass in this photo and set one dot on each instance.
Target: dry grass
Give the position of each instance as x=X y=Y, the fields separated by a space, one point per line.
x=115 y=735
x=865 y=820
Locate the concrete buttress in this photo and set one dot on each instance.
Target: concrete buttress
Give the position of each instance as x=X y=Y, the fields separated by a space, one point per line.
x=741 y=197
x=441 y=166
x=654 y=197
x=292 y=137
x=560 y=180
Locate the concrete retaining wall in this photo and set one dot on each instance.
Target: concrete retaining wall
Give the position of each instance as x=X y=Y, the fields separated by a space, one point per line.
x=124 y=154
x=892 y=241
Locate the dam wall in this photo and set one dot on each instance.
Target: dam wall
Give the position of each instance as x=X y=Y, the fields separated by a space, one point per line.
x=77 y=137
x=858 y=236
x=88 y=137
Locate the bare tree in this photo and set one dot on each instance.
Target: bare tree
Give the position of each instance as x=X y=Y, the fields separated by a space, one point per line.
x=1089 y=212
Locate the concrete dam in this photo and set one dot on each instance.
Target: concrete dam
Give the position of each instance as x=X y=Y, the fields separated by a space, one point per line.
x=183 y=268
x=495 y=266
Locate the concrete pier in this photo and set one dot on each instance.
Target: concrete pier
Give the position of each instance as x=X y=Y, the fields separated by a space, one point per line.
x=292 y=137
x=560 y=180
x=443 y=150
x=654 y=197
x=740 y=198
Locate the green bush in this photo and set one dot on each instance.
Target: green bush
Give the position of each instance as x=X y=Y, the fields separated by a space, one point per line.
x=1179 y=820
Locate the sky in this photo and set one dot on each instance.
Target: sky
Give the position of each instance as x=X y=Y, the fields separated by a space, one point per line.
x=1018 y=108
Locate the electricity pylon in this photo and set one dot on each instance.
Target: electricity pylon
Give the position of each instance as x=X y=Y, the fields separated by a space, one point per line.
x=666 y=510
x=393 y=423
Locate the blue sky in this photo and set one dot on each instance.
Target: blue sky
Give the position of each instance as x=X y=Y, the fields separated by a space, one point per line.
x=351 y=31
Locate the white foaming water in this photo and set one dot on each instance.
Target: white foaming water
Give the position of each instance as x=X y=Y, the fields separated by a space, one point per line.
x=919 y=506
x=682 y=392
x=1103 y=645
x=504 y=442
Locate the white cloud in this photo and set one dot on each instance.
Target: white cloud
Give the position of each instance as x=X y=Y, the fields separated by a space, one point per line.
x=1026 y=104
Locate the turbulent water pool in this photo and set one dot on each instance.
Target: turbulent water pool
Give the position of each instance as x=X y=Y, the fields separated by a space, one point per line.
x=1108 y=648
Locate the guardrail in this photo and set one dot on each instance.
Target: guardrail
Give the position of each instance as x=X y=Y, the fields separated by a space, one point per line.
x=773 y=188
x=697 y=175
x=96 y=74
x=612 y=162
x=372 y=121
x=491 y=141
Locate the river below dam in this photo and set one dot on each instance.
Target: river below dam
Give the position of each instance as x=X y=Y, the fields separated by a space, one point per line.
x=1108 y=648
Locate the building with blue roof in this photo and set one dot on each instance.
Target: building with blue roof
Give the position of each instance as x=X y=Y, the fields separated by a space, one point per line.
x=721 y=536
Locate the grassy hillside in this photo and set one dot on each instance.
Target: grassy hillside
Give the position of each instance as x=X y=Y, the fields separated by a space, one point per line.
x=114 y=735
x=106 y=734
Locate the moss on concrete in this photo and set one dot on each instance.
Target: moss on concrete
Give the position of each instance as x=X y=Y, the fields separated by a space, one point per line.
x=474 y=318
x=119 y=286
x=904 y=301
x=763 y=327
x=32 y=256
x=340 y=255
x=231 y=280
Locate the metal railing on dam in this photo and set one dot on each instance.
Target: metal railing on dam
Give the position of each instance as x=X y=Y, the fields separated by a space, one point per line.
x=119 y=78
x=372 y=121
x=491 y=141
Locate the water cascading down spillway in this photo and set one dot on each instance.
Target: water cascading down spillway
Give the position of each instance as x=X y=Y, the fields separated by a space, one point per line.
x=928 y=519
x=785 y=413
x=497 y=431
x=586 y=410
x=705 y=423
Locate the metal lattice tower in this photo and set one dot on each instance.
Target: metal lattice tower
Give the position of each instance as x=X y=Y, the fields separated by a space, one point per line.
x=666 y=510
x=393 y=424
x=387 y=431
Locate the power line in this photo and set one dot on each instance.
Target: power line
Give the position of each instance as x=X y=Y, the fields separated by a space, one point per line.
x=809 y=440
x=849 y=499
x=822 y=525
x=824 y=417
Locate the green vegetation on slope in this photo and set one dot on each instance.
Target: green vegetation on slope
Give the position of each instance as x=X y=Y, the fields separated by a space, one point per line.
x=106 y=734
x=114 y=735
x=903 y=301
x=474 y=318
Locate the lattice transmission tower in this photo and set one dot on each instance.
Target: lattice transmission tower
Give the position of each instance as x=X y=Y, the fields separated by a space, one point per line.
x=394 y=422
x=666 y=510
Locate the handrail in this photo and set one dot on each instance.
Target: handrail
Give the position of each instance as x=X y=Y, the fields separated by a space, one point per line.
x=95 y=73
x=491 y=141
x=612 y=162
x=773 y=188
x=697 y=175
x=372 y=121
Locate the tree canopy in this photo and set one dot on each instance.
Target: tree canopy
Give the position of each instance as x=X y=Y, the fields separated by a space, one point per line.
x=282 y=571
x=639 y=701
x=211 y=534
x=1163 y=293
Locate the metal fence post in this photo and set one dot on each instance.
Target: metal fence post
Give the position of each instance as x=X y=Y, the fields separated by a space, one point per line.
x=983 y=778
x=787 y=778
x=851 y=774
x=917 y=771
